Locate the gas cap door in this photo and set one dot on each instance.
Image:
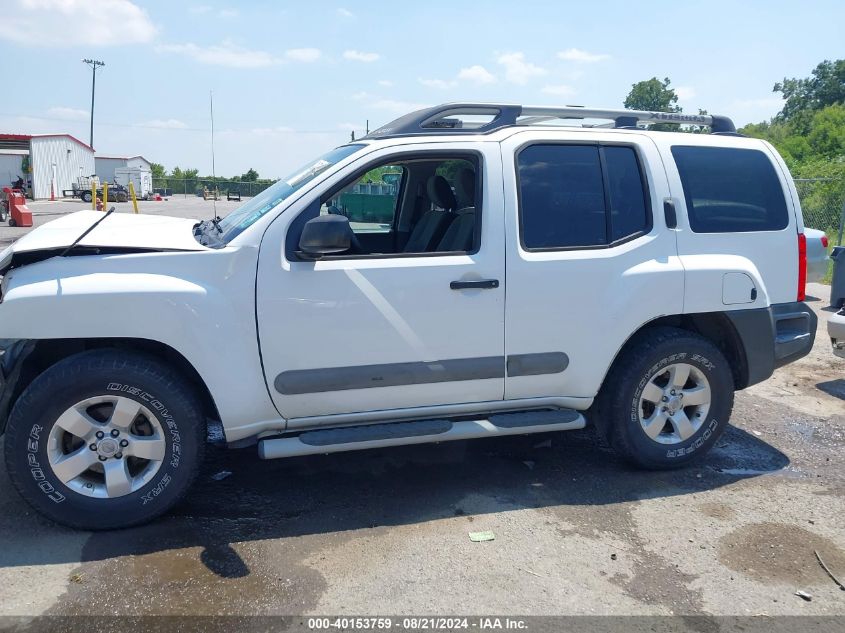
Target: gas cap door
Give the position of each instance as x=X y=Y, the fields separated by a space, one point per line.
x=738 y=288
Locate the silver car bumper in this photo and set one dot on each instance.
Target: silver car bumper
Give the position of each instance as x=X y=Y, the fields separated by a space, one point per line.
x=836 y=330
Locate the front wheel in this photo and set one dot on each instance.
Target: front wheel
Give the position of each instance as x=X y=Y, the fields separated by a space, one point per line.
x=86 y=197
x=105 y=439
x=666 y=400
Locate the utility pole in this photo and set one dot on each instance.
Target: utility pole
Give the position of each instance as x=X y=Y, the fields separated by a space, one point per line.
x=94 y=64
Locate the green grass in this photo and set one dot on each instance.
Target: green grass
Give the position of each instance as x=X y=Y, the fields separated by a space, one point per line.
x=832 y=240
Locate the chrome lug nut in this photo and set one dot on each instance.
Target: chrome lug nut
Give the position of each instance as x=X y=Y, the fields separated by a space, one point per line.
x=93 y=447
x=118 y=455
x=672 y=392
x=100 y=435
x=665 y=398
x=115 y=432
x=102 y=459
x=124 y=443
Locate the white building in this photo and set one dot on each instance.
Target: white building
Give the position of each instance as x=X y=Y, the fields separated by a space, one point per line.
x=56 y=162
x=105 y=165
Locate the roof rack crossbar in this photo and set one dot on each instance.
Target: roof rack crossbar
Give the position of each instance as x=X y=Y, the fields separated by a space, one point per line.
x=443 y=117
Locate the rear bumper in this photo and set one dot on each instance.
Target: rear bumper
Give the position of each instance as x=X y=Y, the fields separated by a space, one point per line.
x=836 y=331
x=773 y=337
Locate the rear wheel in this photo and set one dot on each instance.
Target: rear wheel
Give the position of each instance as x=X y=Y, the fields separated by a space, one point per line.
x=666 y=400
x=12 y=222
x=86 y=197
x=105 y=439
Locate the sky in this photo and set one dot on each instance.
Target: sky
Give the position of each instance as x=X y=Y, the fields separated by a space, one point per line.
x=291 y=80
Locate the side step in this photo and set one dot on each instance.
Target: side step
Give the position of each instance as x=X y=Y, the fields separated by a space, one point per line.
x=356 y=438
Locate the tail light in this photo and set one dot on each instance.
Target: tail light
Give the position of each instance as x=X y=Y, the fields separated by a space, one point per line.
x=824 y=241
x=802 y=266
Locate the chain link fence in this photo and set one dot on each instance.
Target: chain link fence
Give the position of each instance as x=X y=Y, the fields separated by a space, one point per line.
x=199 y=186
x=823 y=204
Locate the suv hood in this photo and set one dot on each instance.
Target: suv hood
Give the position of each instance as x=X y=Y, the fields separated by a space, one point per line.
x=120 y=232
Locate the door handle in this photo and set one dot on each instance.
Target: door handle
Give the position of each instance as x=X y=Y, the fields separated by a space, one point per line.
x=475 y=283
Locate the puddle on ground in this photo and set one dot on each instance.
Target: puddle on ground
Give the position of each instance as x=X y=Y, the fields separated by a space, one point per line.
x=776 y=552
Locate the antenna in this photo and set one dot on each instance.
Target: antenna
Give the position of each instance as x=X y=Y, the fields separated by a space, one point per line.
x=213 y=169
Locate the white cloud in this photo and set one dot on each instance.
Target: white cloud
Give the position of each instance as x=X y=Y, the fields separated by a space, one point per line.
x=228 y=13
x=61 y=23
x=306 y=55
x=385 y=83
x=345 y=13
x=225 y=54
x=577 y=55
x=560 y=90
x=517 y=70
x=476 y=74
x=164 y=124
x=67 y=114
x=439 y=84
x=359 y=56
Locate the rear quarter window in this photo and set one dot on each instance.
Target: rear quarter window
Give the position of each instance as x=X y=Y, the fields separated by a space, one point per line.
x=730 y=190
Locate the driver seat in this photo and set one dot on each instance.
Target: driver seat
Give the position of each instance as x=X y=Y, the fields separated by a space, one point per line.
x=429 y=229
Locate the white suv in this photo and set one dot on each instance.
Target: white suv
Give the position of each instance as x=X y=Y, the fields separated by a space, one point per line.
x=467 y=271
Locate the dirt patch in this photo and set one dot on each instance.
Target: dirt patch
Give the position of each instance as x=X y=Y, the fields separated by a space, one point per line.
x=779 y=553
x=717 y=511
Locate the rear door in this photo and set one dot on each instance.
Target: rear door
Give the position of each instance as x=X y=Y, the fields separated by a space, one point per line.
x=589 y=257
x=737 y=233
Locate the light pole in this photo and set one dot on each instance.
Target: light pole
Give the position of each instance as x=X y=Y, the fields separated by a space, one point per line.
x=94 y=64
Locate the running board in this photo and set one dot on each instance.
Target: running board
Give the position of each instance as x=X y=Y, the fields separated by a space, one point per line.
x=356 y=438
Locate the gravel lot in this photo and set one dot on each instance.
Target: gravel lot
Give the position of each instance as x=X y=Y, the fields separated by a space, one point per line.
x=386 y=531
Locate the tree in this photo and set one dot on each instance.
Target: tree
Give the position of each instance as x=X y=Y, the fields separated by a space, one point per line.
x=250 y=176
x=825 y=86
x=158 y=170
x=655 y=96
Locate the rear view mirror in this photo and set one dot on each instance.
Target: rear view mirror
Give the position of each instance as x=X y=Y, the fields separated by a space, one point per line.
x=325 y=235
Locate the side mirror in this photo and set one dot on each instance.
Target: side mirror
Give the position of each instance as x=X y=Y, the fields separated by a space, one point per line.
x=325 y=235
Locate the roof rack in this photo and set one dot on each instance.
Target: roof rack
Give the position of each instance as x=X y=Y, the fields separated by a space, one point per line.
x=483 y=118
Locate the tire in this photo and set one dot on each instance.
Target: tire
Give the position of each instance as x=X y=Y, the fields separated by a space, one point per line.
x=164 y=441
x=86 y=197
x=122 y=198
x=12 y=222
x=630 y=419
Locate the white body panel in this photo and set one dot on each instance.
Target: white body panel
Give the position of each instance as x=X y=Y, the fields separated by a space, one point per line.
x=141 y=179
x=344 y=313
x=769 y=258
x=71 y=159
x=201 y=304
x=122 y=230
x=585 y=303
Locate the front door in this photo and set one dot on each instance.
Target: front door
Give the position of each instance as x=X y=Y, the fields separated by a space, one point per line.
x=386 y=327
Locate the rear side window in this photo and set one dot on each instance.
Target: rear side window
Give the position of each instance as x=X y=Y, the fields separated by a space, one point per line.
x=577 y=196
x=730 y=190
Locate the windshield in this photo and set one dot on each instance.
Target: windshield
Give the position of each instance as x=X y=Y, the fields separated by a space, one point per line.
x=246 y=215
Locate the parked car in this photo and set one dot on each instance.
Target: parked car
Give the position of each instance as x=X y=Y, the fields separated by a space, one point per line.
x=529 y=278
x=817 y=257
x=117 y=193
x=836 y=331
